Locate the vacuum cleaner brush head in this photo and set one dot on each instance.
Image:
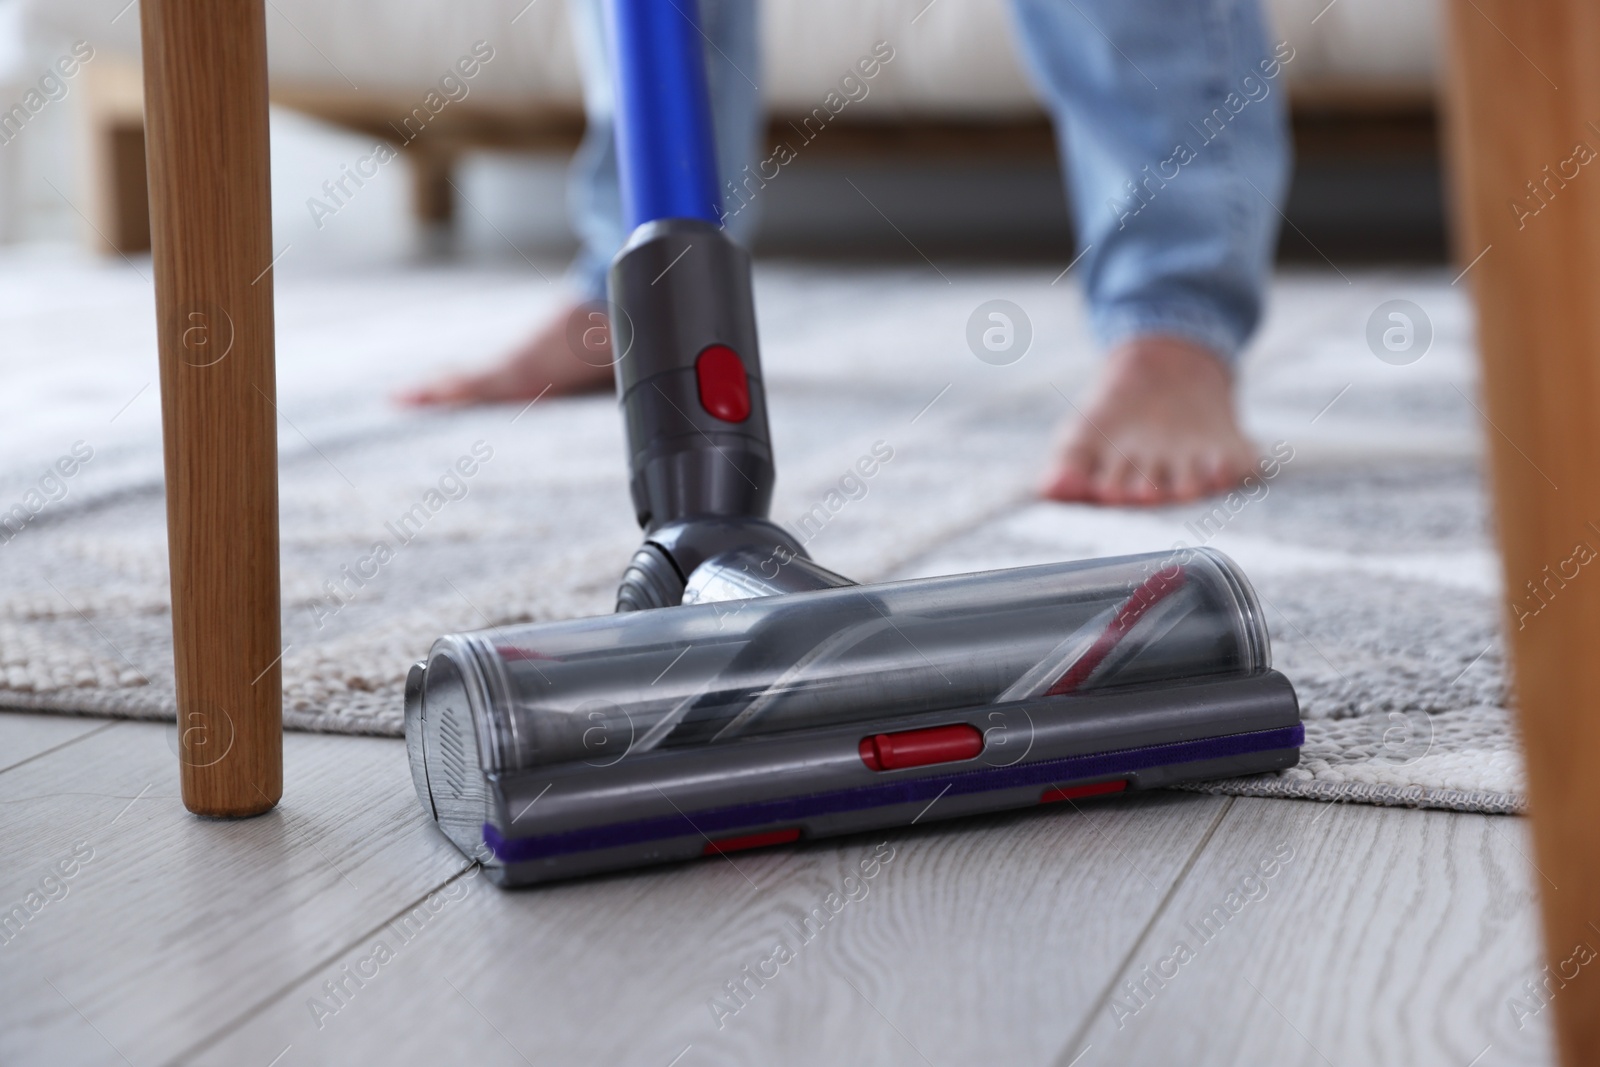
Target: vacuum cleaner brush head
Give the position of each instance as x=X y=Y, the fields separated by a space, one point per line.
x=561 y=749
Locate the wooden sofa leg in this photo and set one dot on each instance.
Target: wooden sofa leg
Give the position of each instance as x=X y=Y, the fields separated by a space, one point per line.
x=1527 y=183
x=433 y=198
x=205 y=70
x=129 y=193
x=111 y=143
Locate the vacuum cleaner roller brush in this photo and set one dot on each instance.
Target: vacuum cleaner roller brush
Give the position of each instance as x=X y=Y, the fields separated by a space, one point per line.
x=561 y=749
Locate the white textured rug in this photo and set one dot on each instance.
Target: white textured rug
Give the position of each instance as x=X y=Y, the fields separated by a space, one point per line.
x=1369 y=550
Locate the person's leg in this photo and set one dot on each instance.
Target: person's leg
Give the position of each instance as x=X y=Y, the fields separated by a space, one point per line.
x=1171 y=119
x=546 y=361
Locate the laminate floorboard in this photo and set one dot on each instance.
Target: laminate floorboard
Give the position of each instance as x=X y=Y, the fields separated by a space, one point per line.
x=342 y=929
x=925 y=958
x=28 y=736
x=163 y=926
x=184 y=940
x=1387 y=936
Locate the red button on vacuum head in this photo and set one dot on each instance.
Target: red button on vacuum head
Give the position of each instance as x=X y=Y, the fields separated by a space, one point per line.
x=918 y=748
x=744 y=841
x=1097 y=789
x=724 y=388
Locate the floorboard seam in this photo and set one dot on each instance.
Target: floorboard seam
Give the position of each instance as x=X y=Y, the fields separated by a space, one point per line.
x=102 y=728
x=1073 y=1049
x=188 y=1054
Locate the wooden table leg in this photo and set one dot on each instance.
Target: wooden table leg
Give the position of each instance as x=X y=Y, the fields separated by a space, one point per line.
x=1524 y=108
x=205 y=71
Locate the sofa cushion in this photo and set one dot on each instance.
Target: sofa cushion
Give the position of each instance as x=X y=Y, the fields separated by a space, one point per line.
x=953 y=58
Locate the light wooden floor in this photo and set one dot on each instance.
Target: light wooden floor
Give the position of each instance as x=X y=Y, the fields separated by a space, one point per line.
x=1379 y=937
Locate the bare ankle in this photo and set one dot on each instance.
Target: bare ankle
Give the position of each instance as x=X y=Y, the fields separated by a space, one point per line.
x=1161 y=354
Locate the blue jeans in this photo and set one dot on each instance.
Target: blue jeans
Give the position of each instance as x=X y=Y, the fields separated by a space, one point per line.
x=1171 y=123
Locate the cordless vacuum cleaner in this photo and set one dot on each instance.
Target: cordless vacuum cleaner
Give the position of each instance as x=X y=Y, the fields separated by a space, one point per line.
x=742 y=695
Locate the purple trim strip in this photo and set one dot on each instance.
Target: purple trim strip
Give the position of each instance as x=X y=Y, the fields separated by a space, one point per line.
x=904 y=791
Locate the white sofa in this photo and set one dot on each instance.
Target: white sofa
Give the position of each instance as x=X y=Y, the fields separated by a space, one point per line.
x=367 y=63
x=956 y=58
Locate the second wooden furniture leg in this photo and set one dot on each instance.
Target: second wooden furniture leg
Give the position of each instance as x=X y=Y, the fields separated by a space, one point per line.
x=205 y=70
x=433 y=198
x=1525 y=103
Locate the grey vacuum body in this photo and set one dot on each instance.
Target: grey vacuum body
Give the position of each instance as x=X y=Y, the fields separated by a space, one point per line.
x=744 y=695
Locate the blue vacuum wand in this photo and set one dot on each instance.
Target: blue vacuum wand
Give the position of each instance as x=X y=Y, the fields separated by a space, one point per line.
x=666 y=152
x=744 y=695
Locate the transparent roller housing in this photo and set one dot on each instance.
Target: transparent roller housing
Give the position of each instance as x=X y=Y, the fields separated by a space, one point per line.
x=599 y=689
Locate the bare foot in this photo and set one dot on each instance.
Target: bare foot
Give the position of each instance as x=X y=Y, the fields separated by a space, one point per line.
x=1160 y=428
x=570 y=354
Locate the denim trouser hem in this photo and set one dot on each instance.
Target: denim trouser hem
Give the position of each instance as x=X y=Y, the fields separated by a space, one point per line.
x=1198 y=324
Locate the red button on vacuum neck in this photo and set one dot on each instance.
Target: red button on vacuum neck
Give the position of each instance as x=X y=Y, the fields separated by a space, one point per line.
x=724 y=387
x=918 y=748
